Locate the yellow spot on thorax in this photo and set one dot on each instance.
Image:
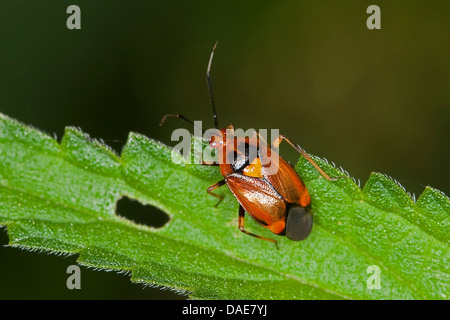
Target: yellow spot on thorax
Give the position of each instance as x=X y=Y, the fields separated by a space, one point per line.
x=254 y=169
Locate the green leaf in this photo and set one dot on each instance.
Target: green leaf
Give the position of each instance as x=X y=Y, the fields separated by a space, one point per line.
x=62 y=198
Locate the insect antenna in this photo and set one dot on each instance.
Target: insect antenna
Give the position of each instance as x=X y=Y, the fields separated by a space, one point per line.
x=210 y=86
x=180 y=116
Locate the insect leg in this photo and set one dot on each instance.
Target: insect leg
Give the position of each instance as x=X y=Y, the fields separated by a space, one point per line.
x=241 y=227
x=276 y=144
x=214 y=187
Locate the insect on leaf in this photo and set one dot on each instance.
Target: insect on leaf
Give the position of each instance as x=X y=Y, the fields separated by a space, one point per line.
x=61 y=197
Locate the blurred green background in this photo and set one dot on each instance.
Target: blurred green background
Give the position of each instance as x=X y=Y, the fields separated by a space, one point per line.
x=369 y=100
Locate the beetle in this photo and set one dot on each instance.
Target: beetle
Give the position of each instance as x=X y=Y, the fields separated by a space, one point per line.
x=277 y=199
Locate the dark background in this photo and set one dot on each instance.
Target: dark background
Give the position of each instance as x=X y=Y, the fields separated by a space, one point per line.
x=369 y=100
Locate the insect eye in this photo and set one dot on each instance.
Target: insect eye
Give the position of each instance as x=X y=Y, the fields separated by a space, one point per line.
x=299 y=223
x=214 y=142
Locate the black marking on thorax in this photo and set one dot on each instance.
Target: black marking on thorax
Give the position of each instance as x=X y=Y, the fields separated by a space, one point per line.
x=242 y=156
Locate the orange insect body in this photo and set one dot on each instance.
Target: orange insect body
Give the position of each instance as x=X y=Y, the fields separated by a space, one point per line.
x=265 y=195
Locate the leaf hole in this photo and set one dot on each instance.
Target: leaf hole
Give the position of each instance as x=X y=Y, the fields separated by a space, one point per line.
x=146 y=215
